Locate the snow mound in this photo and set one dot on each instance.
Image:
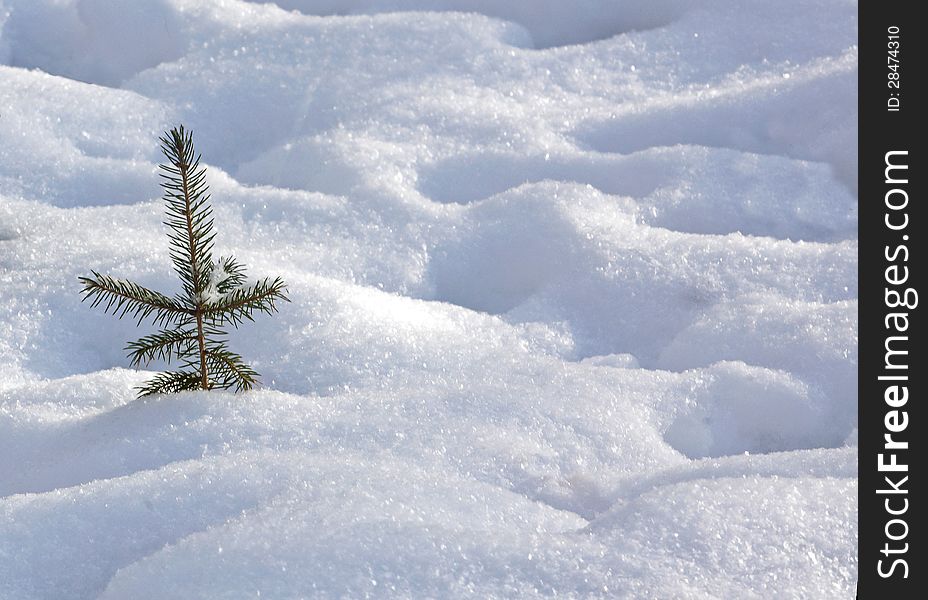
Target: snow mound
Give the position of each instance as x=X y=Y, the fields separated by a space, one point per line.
x=550 y=23
x=574 y=299
x=685 y=536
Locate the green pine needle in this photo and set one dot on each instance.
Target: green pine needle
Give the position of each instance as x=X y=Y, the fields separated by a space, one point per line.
x=170 y=383
x=214 y=296
x=165 y=345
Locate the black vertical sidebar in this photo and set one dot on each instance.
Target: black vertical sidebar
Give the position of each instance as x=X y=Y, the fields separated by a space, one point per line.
x=893 y=374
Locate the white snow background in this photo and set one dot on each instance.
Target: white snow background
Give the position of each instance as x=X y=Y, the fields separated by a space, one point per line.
x=574 y=299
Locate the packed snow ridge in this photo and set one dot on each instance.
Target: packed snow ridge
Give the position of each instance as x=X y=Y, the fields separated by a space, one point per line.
x=574 y=299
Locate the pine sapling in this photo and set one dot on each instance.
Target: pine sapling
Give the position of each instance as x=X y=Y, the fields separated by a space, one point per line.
x=215 y=294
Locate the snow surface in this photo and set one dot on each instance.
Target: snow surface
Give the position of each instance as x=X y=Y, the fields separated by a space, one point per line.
x=574 y=299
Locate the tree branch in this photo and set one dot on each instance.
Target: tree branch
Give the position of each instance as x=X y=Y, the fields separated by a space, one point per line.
x=121 y=297
x=233 y=369
x=170 y=383
x=238 y=304
x=163 y=345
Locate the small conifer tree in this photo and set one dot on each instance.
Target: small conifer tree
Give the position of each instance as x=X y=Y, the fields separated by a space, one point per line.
x=215 y=294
